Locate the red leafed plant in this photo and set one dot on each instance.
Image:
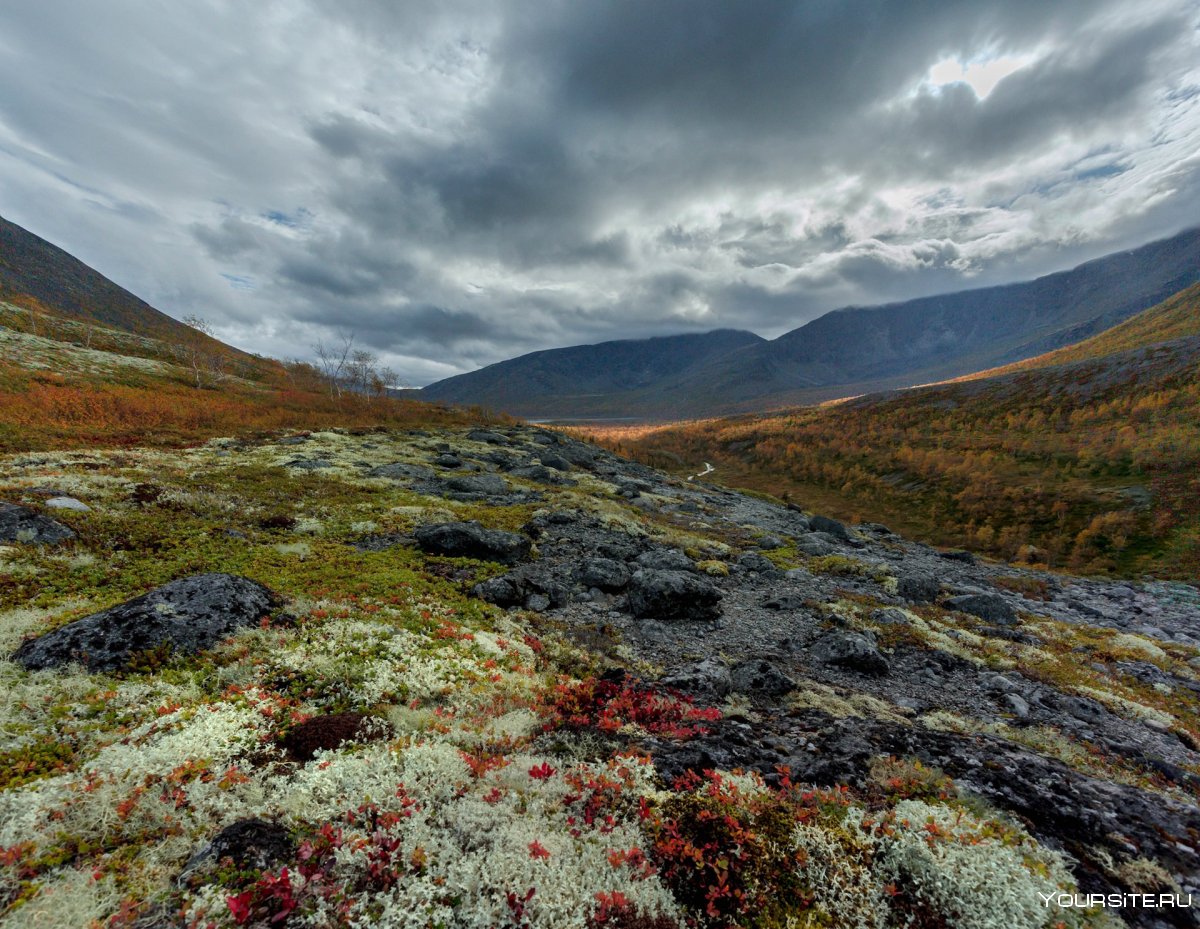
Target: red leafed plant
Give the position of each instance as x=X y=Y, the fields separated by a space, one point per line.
x=543 y=771
x=726 y=853
x=614 y=911
x=608 y=705
x=271 y=899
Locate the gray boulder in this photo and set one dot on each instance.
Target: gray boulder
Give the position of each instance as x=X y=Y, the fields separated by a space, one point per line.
x=708 y=679
x=478 y=484
x=673 y=595
x=813 y=545
x=68 y=503
x=252 y=844
x=583 y=456
x=542 y=475
x=308 y=464
x=992 y=607
x=184 y=616
x=830 y=526
x=491 y=438
x=753 y=561
x=890 y=616
x=471 y=540
x=665 y=559
x=851 y=650
x=918 y=588
x=21 y=524
x=756 y=676
x=604 y=573
x=502 y=591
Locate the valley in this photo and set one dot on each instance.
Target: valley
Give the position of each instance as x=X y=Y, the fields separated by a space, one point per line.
x=1083 y=459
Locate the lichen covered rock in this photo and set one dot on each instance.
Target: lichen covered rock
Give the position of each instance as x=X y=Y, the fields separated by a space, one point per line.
x=21 y=524
x=184 y=616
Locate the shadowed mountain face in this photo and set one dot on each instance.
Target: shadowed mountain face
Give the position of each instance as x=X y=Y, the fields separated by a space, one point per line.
x=589 y=377
x=845 y=352
x=62 y=284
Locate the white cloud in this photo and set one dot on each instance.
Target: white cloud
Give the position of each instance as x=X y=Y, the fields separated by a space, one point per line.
x=981 y=73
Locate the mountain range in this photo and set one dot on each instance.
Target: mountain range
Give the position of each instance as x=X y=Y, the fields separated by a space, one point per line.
x=846 y=352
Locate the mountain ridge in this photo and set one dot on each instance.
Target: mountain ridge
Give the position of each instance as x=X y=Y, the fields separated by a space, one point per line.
x=860 y=349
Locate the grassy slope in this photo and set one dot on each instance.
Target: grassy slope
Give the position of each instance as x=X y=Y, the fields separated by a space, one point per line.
x=117 y=388
x=40 y=277
x=1084 y=458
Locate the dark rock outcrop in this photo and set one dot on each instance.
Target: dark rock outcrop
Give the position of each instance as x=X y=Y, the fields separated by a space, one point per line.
x=478 y=484
x=471 y=540
x=709 y=679
x=665 y=559
x=918 y=588
x=605 y=573
x=852 y=650
x=673 y=595
x=992 y=607
x=21 y=524
x=830 y=526
x=181 y=617
x=502 y=591
x=757 y=676
x=251 y=844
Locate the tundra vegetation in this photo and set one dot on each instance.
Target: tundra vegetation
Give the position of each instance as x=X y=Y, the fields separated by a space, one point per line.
x=501 y=781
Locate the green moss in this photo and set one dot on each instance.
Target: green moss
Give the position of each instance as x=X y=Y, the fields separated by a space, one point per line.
x=42 y=758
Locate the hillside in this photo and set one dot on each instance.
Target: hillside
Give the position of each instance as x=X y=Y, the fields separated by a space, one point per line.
x=84 y=363
x=1174 y=318
x=1085 y=458
x=66 y=383
x=586 y=377
x=39 y=276
x=849 y=351
x=500 y=678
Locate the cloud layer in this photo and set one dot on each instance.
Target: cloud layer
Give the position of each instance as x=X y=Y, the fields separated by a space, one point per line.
x=464 y=182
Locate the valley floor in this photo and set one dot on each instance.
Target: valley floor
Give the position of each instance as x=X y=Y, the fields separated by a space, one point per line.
x=501 y=677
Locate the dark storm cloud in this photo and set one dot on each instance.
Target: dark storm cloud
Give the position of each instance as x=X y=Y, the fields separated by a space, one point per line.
x=462 y=181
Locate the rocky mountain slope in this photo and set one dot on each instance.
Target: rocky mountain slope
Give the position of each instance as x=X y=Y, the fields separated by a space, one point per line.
x=499 y=677
x=853 y=350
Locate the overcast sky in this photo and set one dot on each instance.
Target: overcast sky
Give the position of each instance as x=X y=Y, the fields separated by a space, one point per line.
x=460 y=182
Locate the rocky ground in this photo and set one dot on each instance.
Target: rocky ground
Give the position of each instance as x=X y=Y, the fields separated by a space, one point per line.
x=1070 y=707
